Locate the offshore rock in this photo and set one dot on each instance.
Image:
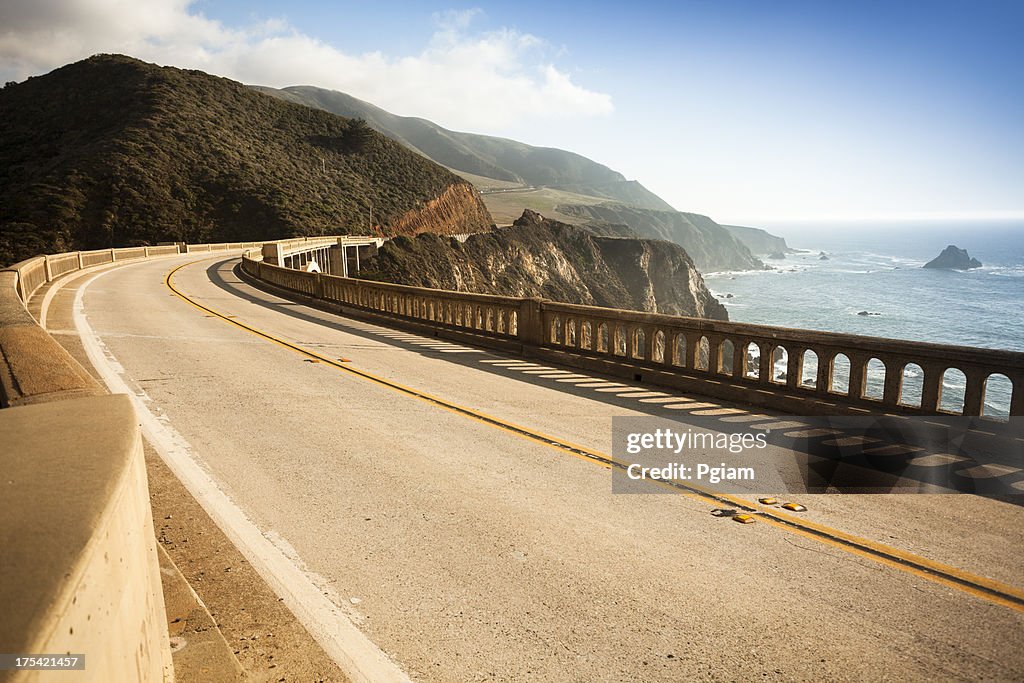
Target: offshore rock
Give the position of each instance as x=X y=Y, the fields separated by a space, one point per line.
x=954 y=258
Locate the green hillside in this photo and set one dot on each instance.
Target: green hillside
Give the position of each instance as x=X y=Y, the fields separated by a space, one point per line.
x=484 y=155
x=111 y=151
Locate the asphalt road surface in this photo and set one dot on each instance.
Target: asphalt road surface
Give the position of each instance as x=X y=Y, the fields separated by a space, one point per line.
x=466 y=551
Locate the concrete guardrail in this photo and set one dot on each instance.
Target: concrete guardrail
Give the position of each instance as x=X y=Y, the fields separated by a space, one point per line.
x=78 y=559
x=798 y=371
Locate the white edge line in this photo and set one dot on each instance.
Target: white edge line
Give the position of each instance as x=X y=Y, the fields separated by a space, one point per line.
x=343 y=642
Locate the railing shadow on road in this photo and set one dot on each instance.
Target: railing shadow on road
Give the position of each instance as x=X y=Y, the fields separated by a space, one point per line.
x=586 y=384
x=852 y=454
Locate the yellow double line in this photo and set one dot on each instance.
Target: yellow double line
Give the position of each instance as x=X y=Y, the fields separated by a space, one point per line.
x=979 y=586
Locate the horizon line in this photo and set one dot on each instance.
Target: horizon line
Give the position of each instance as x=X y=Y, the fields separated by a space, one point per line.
x=903 y=216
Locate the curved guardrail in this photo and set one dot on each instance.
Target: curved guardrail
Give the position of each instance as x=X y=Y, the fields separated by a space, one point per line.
x=79 y=570
x=800 y=371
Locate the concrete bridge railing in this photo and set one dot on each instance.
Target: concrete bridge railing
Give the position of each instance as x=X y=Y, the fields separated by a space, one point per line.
x=78 y=560
x=337 y=256
x=799 y=371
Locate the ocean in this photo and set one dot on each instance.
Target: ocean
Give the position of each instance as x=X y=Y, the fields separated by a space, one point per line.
x=877 y=268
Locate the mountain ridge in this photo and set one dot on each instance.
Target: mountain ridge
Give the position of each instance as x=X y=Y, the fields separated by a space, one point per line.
x=483 y=155
x=112 y=151
x=514 y=176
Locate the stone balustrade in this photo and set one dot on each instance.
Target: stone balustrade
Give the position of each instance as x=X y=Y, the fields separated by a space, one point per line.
x=801 y=371
x=481 y=314
x=828 y=366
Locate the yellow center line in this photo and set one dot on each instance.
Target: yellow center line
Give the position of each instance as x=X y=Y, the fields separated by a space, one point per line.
x=937 y=572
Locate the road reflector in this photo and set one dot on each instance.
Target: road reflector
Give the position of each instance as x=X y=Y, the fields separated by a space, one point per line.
x=795 y=507
x=743 y=519
x=723 y=512
x=768 y=501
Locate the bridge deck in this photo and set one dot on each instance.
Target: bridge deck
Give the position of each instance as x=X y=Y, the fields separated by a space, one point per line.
x=466 y=550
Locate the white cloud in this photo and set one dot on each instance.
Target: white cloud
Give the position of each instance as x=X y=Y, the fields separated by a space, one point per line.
x=482 y=81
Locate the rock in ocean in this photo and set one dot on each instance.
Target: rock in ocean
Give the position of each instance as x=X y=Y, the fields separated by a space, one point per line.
x=953 y=258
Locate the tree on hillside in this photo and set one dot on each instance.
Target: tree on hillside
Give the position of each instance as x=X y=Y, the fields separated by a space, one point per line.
x=358 y=135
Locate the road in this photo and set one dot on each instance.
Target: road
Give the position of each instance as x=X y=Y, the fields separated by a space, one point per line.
x=466 y=551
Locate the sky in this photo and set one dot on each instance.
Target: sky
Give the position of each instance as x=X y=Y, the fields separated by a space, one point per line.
x=755 y=111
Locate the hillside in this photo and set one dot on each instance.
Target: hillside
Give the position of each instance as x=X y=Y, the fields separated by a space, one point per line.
x=712 y=247
x=539 y=257
x=111 y=151
x=483 y=155
x=759 y=241
x=564 y=186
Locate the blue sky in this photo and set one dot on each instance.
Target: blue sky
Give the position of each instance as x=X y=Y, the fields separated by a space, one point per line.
x=748 y=111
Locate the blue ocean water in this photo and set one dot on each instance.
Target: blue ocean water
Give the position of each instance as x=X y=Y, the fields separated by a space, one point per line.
x=877 y=268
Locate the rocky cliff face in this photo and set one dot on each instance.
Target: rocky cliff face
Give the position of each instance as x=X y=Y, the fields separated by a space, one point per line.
x=457 y=210
x=538 y=257
x=712 y=247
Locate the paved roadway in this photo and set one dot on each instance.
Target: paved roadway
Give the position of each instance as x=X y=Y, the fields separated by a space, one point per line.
x=468 y=553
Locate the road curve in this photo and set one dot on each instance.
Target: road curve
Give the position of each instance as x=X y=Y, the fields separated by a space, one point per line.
x=469 y=552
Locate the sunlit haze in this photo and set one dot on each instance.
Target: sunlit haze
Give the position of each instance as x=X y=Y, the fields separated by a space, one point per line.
x=747 y=111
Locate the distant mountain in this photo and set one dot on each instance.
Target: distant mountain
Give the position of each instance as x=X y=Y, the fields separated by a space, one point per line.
x=539 y=257
x=513 y=176
x=111 y=151
x=483 y=155
x=712 y=247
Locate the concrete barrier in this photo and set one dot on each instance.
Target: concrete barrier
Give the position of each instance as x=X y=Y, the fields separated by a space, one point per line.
x=79 y=571
x=78 y=565
x=33 y=367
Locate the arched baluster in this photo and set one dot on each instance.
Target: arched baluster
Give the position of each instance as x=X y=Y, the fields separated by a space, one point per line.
x=931 y=391
x=974 y=394
x=638 y=343
x=587 y=335
x=659 y=348
x=893 y=382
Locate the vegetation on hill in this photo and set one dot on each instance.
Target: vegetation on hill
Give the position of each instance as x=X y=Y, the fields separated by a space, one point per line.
x=484 y=155
x=111 y=151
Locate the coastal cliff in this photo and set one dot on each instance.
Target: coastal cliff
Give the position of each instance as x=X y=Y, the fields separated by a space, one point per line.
x=457 y=210
x=539 y=257
x=759 y=241
x=711 y=246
